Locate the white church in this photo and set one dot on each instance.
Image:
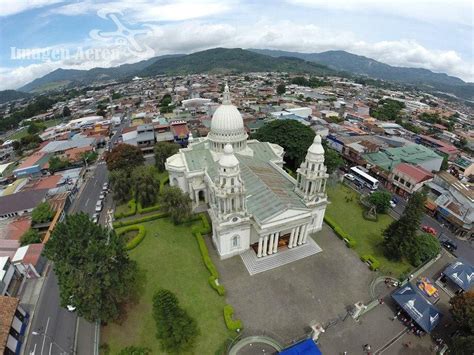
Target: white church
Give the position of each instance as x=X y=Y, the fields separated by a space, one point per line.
x=252 y=202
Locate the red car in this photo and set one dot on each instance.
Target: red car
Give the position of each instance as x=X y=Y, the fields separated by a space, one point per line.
x=429 y=230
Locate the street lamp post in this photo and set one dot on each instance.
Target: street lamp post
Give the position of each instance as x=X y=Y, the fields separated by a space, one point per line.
x=52 y=341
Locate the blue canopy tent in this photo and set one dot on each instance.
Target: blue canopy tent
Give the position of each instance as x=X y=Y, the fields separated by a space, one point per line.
x=461 y=273
x=305 y=347
x=418 y=308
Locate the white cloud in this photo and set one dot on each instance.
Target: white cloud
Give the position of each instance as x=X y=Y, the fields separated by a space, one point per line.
x=12 y=7
x=190 y=36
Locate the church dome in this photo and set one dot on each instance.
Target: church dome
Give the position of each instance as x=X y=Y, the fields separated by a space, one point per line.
x=227 y=126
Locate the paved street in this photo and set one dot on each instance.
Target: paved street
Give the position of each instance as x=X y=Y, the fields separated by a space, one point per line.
x=54 y=325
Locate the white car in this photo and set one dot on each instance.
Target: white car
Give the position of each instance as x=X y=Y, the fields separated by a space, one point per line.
x=393 y=204
x=98 y=206
x=95 y=217
x=349 y=177
x=105 y=187
x=102 y=195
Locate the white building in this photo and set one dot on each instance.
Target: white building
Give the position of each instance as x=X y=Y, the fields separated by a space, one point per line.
x=252 y=201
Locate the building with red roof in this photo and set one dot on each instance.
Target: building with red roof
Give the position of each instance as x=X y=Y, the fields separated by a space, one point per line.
x=439 y=146
x=406 y=179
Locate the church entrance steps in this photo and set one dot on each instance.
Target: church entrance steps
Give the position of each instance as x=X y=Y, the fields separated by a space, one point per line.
x=257 y=265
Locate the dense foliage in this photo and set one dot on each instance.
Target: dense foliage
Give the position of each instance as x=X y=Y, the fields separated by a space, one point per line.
x=281 y=89
x=311 y=82
x=423 y=247
x=121 y=185
x=94 y=271
x=176 y=203
x=135 y=350
x=42 y=213
x=387 y=110
x=381 y=201
x=164 y=150
x=292 y=135
x=399 y=234
x=332 y=159
x=145 y=185
x=124 y=157
x=462 y=310
x=175 y=328
x=57 y=164
x=38 y=106
x=31 y=236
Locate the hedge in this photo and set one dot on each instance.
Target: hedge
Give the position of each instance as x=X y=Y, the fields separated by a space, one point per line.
x=350 y=242
x=132 y=205
x=164 y=182
x=135 y=240
x=229 y=320
x=153 y=208
x=374 y=264
x=118 y=224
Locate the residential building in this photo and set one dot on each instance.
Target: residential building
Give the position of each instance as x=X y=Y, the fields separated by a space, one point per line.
x=406 y=179
x=10 y=277
x=13 y=321
x=21 y=202
x=442 y=148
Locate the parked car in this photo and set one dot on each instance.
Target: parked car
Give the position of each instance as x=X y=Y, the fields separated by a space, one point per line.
x=105 y=187
x=98 y=206
x=393 y=204
x=428 y=229
x=349 y=177
x=95 y=217
x=449 y=245
x=102 y=195
x=70 y=307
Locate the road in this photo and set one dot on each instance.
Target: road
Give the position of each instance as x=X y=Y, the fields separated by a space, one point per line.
x=54 y=325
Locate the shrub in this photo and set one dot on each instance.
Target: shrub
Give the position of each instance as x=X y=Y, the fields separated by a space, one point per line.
x=132 y=205
x=135 y=240
x=118 y=224
x=350 y=242
x=374 y=264
x=229 y=320
x=154 y=208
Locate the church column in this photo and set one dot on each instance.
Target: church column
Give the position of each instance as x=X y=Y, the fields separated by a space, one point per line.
x=270 y=245
x=275 y=245
x=292 y=236
x=265 y=243
x=260 y=242
x=301 y=236
x=297 y=233
x=306 y=232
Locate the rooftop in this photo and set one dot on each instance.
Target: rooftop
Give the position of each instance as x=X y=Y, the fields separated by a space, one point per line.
x=23 y=200
x=416 y=172
x=8 y=306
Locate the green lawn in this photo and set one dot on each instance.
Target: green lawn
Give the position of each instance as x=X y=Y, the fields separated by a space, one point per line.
x=169 y=257
x=23 y=132
x=367 y=234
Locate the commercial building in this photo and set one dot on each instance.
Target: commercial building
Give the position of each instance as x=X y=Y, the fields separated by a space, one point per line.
x=406 y=179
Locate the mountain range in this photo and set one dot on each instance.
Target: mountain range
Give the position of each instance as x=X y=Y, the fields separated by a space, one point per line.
x=236 y=60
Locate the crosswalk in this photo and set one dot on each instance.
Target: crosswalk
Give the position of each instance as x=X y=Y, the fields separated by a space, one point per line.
x=256 y=265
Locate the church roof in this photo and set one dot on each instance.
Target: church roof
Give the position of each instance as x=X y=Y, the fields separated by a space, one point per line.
x=269 y=189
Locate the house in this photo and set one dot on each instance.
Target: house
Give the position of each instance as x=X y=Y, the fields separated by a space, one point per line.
x=444 y=149
x=28 y=260
x=406 y=179
x=33 y=165
x=10 y=277
x=21 y=202
x=13 y=321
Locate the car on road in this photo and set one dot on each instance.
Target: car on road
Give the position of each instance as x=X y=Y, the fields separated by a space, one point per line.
x=95 y=217
x=70 y=307
x=98 y=206
x=105 y=186
x=349 y=177
x=102 y=195
x=429 y=230
x=449 y=245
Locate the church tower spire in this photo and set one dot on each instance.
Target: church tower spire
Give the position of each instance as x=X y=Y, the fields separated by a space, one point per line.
x=312 y=176
x=229 y=190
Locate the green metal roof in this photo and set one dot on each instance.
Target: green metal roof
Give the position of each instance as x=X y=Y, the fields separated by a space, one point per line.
x=388 y=158
x=269 y=191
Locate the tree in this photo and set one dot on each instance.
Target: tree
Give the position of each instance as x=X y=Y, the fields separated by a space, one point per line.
x=135 y=350
x=332 y=159
x=66 y=111
x=124 y=157
x=292 y=135
x=381 y=200
x=31 y=236
x=387 y=109
x=176 y=203
x=121 y=185
x=175 y=328
x=444 y=164
x=462 y=310
x=145 y=185
x=399 y=234
x=35 y=128
x=42 y=213
x=164 y=150
x=94 y=272
x=421 y=248
x=281 y=89
x=57 y=164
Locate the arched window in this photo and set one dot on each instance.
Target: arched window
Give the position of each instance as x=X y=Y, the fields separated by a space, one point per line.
x=235 y=241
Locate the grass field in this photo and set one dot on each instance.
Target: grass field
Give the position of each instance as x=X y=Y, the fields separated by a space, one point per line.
x=23 y=132
x=169 y=257
x=368 y=234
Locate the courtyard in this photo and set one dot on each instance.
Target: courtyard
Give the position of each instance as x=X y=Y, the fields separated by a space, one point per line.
x=169 y=258
x=284 y=301
x=346 y=210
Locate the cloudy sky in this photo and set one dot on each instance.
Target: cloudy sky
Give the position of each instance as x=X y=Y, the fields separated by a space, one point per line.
x=39 y=36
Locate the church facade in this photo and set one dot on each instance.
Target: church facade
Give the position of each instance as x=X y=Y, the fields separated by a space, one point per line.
x=251 y=200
